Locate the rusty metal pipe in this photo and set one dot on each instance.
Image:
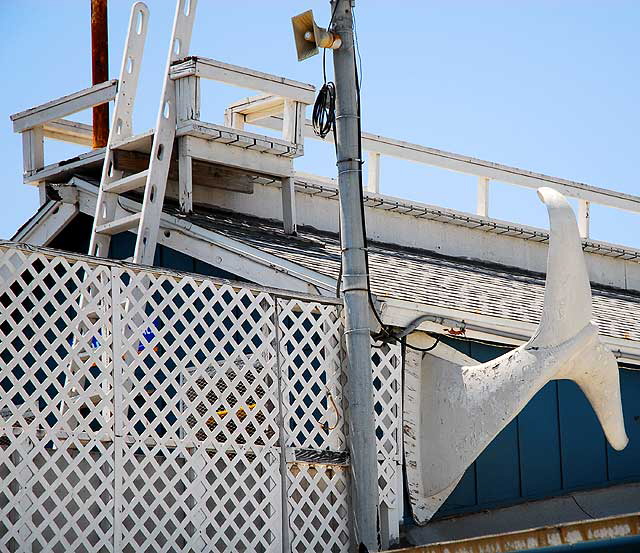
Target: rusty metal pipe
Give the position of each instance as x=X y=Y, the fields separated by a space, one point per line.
x=99 y=68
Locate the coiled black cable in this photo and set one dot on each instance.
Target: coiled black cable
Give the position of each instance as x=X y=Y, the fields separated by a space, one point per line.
x=324 y=110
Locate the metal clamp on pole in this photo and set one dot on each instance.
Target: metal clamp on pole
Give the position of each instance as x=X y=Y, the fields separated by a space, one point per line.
x=352 y=282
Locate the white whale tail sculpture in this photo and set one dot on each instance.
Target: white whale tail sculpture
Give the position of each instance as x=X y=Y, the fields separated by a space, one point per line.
x=454 y=409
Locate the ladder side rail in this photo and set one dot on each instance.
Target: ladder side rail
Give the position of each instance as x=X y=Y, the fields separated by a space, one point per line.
x=165 y=132
x=122 y=124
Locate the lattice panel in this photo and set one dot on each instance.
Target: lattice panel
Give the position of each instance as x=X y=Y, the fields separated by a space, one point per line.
x=318 y=508
x=199 y=362
x=55 y=356
x=312 y=374
x=56 y=494
x=387 y=368
x=56 y=403
x=142 y=411
x=199 y=499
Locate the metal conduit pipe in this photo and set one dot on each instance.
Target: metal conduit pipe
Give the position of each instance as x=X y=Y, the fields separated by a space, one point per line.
x=462 y=325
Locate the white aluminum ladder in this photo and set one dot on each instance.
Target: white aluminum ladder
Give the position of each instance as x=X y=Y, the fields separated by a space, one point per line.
x=154 y=178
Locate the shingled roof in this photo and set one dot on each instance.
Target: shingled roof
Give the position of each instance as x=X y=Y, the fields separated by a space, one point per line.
x=421 y=276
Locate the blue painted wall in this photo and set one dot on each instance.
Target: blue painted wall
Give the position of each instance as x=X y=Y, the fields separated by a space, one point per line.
x=554 y=446
x=75 y=238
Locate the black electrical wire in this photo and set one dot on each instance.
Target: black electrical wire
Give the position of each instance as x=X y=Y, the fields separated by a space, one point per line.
x=324 y=122
x=324 y=110
x=416 y=348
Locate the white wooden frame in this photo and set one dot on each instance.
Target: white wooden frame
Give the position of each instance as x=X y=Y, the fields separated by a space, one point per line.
x=245 y=78
x=66 y=105
x=36 y=123
x=280 y=96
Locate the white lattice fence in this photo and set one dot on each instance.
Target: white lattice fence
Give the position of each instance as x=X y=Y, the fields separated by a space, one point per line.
x=312 y=373
x=154 y=411
x=199 y=417
x=56 y=404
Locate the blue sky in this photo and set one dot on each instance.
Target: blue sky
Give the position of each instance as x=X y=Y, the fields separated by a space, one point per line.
x=547 y=86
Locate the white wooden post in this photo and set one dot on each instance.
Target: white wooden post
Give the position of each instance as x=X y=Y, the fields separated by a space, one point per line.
x=583 y=218
x=483 y=197
x=33 y=155
x=234 y=119
x=188 y=108
x=373 y=180
x=289 y=205
x=293 y=122
x=292 y=128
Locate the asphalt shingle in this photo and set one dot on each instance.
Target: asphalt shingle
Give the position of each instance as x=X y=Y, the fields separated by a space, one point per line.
x=421 y=276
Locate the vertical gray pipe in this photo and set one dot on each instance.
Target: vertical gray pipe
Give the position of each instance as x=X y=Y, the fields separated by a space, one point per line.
x=362 y=436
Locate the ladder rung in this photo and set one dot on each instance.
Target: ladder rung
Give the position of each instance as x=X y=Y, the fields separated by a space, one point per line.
x=119 y=225
x=126 y=184
x=139 y=142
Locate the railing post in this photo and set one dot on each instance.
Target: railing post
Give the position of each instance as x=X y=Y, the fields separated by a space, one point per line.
x=33 y=155
x=292 y=127
x=483 y=197
x=373 y=180
x=583 y=218
x=188 y=107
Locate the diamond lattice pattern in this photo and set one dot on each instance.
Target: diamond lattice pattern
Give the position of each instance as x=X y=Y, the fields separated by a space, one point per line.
x=150 y=411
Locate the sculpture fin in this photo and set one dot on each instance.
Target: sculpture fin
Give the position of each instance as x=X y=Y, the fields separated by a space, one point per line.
x=567 y=293
x=567 y=310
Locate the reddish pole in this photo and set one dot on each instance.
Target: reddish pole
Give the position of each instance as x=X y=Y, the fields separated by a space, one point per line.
x=100 y=68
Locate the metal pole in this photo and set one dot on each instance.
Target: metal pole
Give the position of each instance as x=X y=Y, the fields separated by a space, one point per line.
x=362 y=437
x=100 y=68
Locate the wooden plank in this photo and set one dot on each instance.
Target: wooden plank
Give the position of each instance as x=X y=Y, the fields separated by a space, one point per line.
x=61 y=171
x=582 y=442
x=478 y=167
x=241 y=158
x=255 y=108
x=203 y=173
x=539 y=445
x=53 y=221
x=66 y=105
x=137 y=143
x=569 y=534
x=69 y=131
x=623 y=465
x=32 y=150
x=237 y=137
x=185 y=177
x=188 y=98
x=126 y=184
x=119 y=225
x=583 y=218
x=293 y=123
x=289 y=206
x=244 y=78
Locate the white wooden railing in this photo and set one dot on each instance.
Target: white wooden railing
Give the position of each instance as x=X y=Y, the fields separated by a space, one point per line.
x=280 y=106
x=378 y=146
